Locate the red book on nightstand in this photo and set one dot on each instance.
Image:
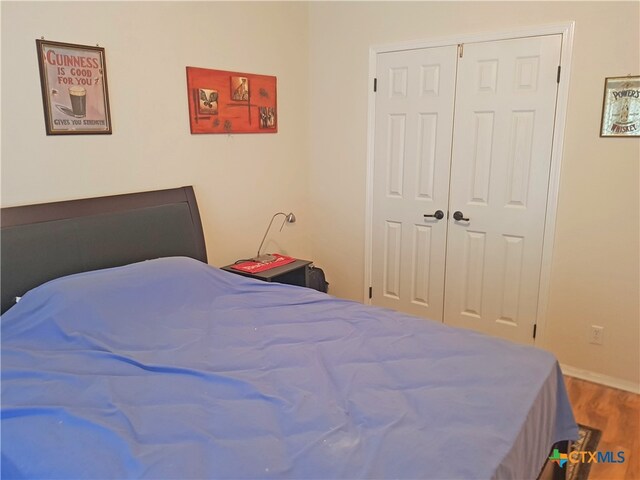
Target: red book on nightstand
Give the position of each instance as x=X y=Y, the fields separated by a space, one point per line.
x=255 y=267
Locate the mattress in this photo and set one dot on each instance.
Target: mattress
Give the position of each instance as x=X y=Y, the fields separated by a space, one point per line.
x=171 y=368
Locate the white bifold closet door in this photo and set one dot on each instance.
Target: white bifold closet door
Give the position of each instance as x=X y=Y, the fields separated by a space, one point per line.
x=412 y=152
x=470 y=137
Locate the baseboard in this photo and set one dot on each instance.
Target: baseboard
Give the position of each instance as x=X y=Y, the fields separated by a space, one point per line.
x=600 y=378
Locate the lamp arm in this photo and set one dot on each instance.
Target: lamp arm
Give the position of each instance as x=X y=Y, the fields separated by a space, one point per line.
x=269 y=227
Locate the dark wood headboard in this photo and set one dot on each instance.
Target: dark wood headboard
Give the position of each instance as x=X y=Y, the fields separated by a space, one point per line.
x=45 y=241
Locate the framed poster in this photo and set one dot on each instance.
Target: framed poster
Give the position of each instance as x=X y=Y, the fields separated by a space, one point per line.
x=621 y=107
x=231 y=102
x=75 y=97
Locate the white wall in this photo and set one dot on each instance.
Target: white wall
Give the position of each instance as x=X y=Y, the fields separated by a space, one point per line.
x=240 y=180
x=596 y=258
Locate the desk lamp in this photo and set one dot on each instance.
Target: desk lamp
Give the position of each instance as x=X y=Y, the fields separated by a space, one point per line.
x=267 y=257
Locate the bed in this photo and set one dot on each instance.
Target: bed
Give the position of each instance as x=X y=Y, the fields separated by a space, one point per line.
x=127 y=356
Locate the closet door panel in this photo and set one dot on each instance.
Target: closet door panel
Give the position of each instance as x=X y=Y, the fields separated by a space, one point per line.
x=413 y=129
x=504 y=118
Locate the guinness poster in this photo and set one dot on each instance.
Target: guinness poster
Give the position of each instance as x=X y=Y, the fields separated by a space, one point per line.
x=73 y=79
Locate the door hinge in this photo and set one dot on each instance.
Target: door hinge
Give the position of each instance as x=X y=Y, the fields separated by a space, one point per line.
x=375 y=84
x=370 y=292
x=558 y=77
x=535 y=327
x=460 y=49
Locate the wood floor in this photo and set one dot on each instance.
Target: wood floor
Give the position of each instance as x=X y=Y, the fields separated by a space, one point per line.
x=617 y=414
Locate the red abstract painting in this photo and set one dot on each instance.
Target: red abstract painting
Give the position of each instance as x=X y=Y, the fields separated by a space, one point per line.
x=231 y=102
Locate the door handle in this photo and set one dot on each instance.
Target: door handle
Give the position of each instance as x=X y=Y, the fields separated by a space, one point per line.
x=458 y=215
x=438 y=214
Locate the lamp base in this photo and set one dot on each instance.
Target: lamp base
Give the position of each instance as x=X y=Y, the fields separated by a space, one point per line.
x=265 y=258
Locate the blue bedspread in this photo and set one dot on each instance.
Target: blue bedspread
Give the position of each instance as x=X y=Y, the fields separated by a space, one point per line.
x=174 y=369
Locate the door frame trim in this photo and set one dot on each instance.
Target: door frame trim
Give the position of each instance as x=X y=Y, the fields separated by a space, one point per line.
x=566 y=30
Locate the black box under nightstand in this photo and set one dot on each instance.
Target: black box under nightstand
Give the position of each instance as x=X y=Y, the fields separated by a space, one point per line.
x=294 y=273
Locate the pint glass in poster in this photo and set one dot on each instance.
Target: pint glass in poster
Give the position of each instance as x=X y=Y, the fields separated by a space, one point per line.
x=74 y=88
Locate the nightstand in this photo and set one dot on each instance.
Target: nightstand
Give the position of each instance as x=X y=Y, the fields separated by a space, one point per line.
x=294 y=273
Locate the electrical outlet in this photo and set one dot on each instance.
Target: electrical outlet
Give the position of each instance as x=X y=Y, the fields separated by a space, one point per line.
x=596 y=334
